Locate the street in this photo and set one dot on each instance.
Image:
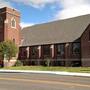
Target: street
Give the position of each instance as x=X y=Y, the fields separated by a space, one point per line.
x=29 y=81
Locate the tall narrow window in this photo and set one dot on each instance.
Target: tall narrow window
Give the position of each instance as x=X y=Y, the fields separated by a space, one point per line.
x=1 y=22
x=34 y=51
x=46 y=51
x=60 y=50
x=76 y=48
x=13 y=23
x=14 y=40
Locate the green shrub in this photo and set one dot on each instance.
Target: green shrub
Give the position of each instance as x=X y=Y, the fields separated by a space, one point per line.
x=47 y=62
x=8 y=49
x=19 y=63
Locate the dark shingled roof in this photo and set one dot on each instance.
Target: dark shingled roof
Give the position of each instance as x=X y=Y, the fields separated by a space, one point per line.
x=60 y=31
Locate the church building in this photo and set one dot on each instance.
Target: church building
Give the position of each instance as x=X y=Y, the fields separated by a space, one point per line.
x=61 y=43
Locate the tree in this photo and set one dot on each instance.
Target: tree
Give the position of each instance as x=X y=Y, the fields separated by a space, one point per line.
x=8 y=49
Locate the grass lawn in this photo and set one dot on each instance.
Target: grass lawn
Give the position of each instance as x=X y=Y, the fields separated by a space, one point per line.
x=44 y=68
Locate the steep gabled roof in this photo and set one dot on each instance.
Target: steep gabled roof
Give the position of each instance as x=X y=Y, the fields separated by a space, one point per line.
x=60 y=31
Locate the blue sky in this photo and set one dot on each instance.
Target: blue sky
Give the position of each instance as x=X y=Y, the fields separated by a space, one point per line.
x=41 y=11
x=34 y=15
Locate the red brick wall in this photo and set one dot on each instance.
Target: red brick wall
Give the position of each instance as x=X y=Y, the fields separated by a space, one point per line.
x=12 y=33
x=6 y=31
x=68 y=58
x=85 y=47
x=3 y=17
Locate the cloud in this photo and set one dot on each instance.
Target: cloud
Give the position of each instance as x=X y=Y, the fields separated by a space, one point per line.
x=23 y=24
x=70 y=8
x=73 y=8
x=4 y=3
x=36 y=3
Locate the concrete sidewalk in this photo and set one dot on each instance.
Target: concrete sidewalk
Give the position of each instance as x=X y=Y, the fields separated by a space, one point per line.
x=46 y=72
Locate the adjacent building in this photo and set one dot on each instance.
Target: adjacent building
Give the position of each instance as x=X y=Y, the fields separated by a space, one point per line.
x=62 y=42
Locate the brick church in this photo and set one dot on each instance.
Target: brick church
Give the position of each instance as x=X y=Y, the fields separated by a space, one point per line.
x=62 y=42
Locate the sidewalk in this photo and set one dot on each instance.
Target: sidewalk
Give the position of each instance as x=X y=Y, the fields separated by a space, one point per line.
x=46 y=72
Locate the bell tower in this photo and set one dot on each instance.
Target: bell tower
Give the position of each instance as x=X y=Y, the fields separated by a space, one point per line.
x=10 y=25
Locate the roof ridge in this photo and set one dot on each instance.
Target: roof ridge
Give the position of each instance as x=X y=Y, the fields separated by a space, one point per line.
x=57 y=21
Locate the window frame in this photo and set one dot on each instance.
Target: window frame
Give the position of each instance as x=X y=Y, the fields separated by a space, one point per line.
x=46 y=53
x=73 y=48
x=60 y=55
x=13 y=19
x=34 y=52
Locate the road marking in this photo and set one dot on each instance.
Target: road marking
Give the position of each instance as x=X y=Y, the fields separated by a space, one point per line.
x=46 y=82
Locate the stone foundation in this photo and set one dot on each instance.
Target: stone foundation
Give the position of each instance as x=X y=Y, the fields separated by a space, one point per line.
x=9 y=63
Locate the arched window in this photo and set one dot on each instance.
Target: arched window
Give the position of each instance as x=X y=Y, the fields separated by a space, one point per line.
x=13 y=23
x=76 y=48
x=13 y=40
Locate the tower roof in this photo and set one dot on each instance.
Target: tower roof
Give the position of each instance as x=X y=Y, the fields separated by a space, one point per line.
x=9 y=10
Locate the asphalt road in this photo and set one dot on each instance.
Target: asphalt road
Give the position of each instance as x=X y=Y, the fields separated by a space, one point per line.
x=28 y=81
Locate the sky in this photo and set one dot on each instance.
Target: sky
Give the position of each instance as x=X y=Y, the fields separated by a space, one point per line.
x=42 y=11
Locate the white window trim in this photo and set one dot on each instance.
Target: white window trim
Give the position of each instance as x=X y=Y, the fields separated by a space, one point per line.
x=11 y=22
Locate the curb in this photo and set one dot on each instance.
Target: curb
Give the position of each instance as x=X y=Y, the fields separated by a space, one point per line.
x=47 y=72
